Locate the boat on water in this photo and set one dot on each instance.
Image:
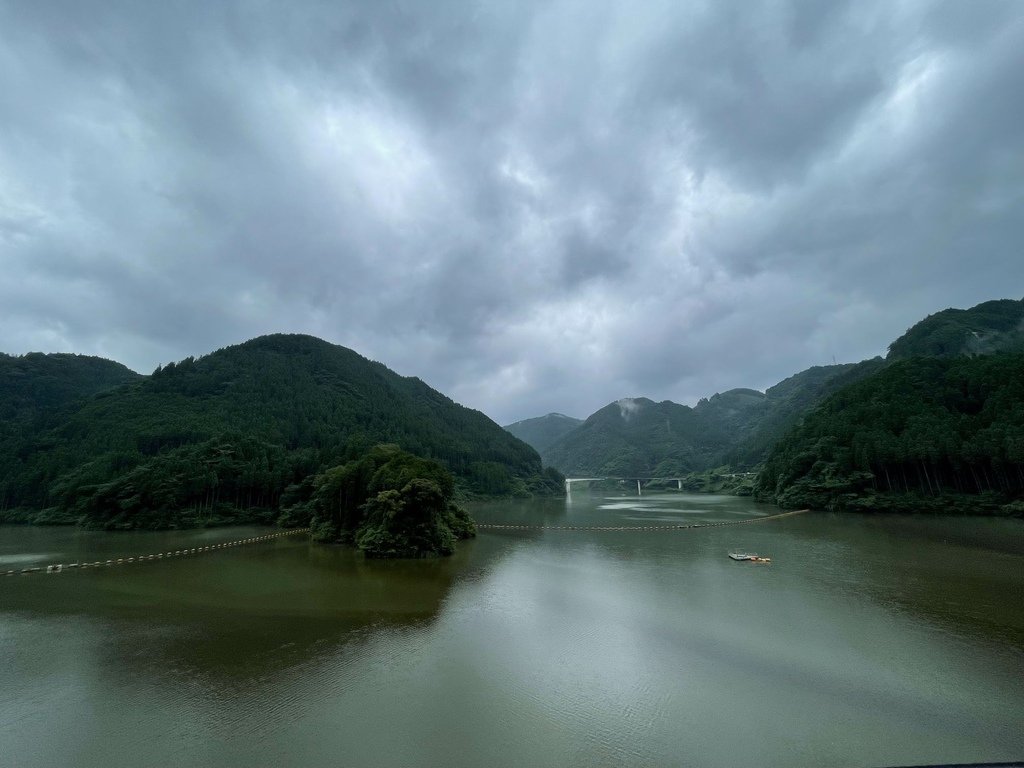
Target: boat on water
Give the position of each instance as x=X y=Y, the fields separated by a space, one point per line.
x=749 y=556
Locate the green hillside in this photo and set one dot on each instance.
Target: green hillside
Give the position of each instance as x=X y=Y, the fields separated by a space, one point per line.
x=542 y=431
x=994 y=326
x=736 y=410
x=217 y=437
x=736 y=428
x=944 y=435
x=785 y=404
x=739 y=428
x=35 y=387
x=638 y=437
x=938 y=427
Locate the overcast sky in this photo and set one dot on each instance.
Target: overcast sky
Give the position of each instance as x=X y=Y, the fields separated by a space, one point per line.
x=532 y=206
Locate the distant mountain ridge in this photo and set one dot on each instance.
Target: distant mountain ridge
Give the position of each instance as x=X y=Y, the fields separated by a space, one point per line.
x=542 y=431
x=736 y=427
x=740 y=427
x=638 y=436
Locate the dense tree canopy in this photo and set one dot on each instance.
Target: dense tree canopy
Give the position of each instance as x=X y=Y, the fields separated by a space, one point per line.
x=639 y=437
x=280 y=407
x=924 y=433
x=390 y=504
x=736 y=430
x=993 y=326
x=258 y=431
x=36 y=389
x=226 y=479
x=783 y=406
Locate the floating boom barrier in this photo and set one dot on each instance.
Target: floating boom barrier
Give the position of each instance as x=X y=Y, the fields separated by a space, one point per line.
x=61 y=567
x=678 y=527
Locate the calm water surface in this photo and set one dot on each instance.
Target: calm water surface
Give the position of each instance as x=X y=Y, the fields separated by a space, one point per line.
x=867 y=641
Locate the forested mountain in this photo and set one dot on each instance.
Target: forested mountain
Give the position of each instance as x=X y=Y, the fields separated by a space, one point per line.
x=35 y=385
x=212 y=438
x=736 y=427
x=543 y=430
x=785 y=403
x=736 y=410
x=994 y=326
x=638 y=437
x=922 y=434
x=253 y=431
x=740 y=427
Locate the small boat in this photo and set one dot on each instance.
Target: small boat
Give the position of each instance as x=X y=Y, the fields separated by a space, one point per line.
x=749 y=556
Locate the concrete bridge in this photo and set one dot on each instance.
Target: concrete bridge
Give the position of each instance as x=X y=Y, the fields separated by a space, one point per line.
x=639 y=482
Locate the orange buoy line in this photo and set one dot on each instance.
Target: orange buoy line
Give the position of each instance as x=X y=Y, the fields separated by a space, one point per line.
x=681 y=527
x=61 y=567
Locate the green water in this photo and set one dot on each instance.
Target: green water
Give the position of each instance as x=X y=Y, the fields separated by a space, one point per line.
x=867 y=641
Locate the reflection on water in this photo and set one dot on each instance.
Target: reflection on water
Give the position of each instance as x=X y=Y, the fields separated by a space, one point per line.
x=867 y=641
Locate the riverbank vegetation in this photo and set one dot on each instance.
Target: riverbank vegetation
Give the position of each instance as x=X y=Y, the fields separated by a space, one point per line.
x=723 y=480
x=925 y=434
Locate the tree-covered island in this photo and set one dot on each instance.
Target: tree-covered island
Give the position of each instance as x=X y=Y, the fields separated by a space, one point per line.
x=388 y=503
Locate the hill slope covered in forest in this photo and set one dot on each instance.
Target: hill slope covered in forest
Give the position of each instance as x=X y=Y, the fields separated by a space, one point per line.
x=542 y=431
x=924 y=434
x=786 y=403
x=987 y=328
x=639 y=437
x=36 y=386
x=215 y=438
x=740 y=428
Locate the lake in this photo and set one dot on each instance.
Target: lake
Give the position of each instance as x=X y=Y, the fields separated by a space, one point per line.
x=867 y=641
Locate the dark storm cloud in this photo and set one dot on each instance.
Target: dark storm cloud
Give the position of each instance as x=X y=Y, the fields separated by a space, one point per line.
x=766 y=88
x=532 y=206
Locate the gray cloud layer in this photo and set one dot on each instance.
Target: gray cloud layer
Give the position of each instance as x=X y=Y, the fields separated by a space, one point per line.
x=532 y=206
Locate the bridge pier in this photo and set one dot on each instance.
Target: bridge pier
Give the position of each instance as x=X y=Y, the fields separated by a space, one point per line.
x=639 y=482
x=570 y=480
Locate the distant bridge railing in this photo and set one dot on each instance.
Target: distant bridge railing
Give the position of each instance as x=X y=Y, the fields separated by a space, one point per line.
x=639 y=480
